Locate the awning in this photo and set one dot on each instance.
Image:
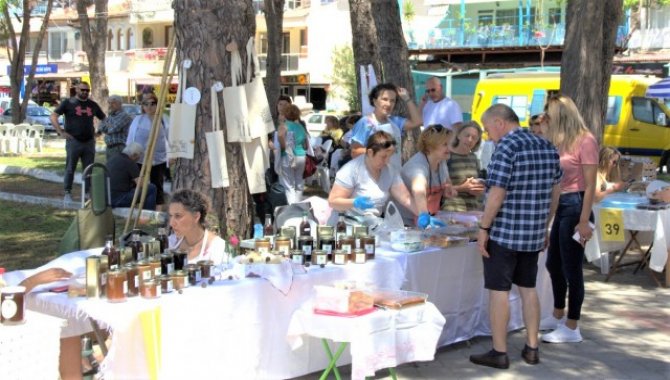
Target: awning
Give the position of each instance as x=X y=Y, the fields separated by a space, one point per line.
x=660 y=89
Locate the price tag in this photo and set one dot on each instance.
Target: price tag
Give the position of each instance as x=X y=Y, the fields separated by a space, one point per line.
x=611 y=225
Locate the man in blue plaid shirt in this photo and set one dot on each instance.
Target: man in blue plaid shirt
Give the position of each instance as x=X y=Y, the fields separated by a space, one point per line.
x=523 y=190
x=115 y=126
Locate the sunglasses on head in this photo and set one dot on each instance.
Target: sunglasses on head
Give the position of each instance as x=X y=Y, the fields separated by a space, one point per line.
x=436 y=127
x=149 y=104
x=384 y=145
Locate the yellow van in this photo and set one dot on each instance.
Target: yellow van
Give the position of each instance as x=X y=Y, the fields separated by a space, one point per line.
x=636 y=125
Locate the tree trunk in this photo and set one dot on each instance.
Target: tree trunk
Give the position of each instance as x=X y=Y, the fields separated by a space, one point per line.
x=94 y=43
x=588 y=51
x=36 y=52
x=274 y=19
x=395 y=60
x=203 y=28
x=364 y=41
x=17 y=58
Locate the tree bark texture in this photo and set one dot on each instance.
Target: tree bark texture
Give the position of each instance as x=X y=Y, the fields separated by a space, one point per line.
x=586 y=64
x=203 y=28
x=364 y=40
x=274 y=19
x=395 y=61
x=94 y=43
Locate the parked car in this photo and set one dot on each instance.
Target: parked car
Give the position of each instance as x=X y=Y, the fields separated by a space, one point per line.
x=34 y=115
x=132 y=109
x=6 y=103
x=316 y=122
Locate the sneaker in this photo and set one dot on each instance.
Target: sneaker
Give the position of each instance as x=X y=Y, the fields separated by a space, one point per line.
x=563 y=334
x=551 y=323
x=67 y=197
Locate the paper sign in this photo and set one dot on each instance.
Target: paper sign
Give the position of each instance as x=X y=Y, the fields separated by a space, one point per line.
x=611 y=225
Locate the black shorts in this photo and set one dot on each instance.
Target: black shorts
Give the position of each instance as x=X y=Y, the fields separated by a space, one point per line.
x=505 y=267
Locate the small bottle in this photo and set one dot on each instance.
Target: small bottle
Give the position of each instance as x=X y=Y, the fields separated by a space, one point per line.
x=340 y=231
x=136 y=244
x=305 y=227
x=269 y=228
x=162 y=238
x=113 y=254
x=258 y=231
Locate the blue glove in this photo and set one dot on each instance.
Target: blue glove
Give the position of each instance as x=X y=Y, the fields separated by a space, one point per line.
x=424 y=220
x=362 y=203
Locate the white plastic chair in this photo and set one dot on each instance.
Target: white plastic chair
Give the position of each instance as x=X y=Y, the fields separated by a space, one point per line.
x=4 y=140
x=20 y=132
x=35 y=137
x=323 y=170
x=11 y=140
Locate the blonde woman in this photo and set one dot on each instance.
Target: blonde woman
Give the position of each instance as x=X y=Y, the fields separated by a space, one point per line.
x=578 y=150
x=608 y=179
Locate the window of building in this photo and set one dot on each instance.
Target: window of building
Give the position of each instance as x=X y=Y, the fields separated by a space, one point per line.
x=263 y=43
x=511 y=16
x=303 y=42
x=110 y=38
x=57 y=44
x=119 y=39
x=485 y=17
x=259 y=6
x=293 y=4
x=286 y=43
x=613 y=110
x=130 y=39
x=554 y=16
x=518 y=103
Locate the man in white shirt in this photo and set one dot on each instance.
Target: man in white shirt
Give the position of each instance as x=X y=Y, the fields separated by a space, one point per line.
x=436 y=108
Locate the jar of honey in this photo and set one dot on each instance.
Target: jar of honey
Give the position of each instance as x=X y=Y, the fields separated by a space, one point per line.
x=306 y=245
x=155 y=264
x=368 y=245
x=206 y=268
x=340 y=257
x=132 y=279
x=179 y=279
x=359 y=256
x=298 y=257
x=194 y=273
x=166 y=283
x=117 y=285
x=327 y=244
x=319 y=257
x=262 y=245
x=180 y=260
x=167 y=263
x=144 y=270
x=283 y=245
x=150 y=289
x=347 y=244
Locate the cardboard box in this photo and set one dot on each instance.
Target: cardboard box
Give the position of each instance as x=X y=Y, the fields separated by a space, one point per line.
x=637 y=168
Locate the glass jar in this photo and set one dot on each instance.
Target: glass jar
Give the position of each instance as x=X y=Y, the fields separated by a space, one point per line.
x=340 y=257
x=166 y=283
x=283 y=245
x=194 y=273
x=368 y=243
x=150 y=289
x=167 y=263
x=358 y=256
x=289 y=232
x=144 y=270
x=298 y=257
x=347 y=244
x=132 y=279
x=327 y=244
x=179 y=279
x=306 y=245
x=13 y=307
x=155 y=265
x=117 y=285
x=206 y=268
x=262 y=245
x=319 y=257
x=180 y=260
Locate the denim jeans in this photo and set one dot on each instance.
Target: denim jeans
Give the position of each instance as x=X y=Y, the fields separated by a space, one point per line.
x=566 y=256
x=125 y=199
x=75 y=150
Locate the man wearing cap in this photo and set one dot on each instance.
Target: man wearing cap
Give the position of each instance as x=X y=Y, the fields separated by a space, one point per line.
x=115 y=127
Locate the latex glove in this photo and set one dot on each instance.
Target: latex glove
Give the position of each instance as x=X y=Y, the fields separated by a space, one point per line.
x=363 y=202
x=424 y=220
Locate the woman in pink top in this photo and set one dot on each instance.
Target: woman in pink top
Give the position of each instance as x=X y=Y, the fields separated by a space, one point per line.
x=578 y=150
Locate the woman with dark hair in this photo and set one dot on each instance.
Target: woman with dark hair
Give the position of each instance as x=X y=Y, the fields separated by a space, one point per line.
x=364 y=184
x=187 y=211
x=140 y=131
x=464 y=169
x=383 y=97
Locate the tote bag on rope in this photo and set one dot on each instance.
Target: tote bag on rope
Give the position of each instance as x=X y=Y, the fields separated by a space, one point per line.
x=260 y=116
x=235 y=103
x=216 y=147
x=181 y=134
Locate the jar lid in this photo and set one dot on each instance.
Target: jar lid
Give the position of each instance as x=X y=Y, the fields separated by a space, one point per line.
x=142 y=263
x=205 y=262
x=130 y=265
x=263 y=239
x=319 y=252
x=178 y=273
x=305 y=237
x=296 y=252
x=151 y=282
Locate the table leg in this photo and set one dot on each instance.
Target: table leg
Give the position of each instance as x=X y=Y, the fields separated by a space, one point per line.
x=394 y=376
x=332 y=365
x=615 y=266
x=98 y=336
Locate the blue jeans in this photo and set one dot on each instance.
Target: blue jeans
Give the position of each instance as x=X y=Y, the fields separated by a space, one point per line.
x=125 y=199
x=565 y=256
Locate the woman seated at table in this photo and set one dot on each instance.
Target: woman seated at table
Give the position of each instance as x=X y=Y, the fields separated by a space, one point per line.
x=607 y=181
x=188 y=210
x=364 y=184
x=427 y=176
x=464 y=169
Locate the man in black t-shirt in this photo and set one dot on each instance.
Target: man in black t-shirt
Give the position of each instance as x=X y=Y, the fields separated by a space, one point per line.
x=79 y=132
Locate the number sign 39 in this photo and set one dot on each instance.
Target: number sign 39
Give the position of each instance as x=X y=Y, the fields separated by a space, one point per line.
x=611 y=225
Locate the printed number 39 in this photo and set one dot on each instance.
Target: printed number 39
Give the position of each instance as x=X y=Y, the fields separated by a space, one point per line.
x=611 y=229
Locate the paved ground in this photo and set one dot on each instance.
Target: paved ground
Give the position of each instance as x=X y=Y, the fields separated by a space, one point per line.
x=626 y=330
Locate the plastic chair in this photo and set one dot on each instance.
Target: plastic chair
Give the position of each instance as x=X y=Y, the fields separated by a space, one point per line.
x=35 y=137
x=11 y=140
x=20 y=132
x=4 y=140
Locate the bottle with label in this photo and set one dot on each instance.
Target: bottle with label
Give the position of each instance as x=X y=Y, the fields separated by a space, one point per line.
x=137 y=246
x=113 y=254
x=340 y=231
x=269 y=229
x=305 y=226
x=162 y=238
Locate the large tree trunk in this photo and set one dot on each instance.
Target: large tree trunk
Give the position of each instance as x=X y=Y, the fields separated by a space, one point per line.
x=36 y=53
x=202 y=36
x=94 y=43
x=274 y=19
x=395 y=60
x=588 y=51
x=364 y=40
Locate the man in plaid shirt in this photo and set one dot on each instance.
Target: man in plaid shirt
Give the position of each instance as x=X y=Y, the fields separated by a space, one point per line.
x=115 y=127
x=523 y=190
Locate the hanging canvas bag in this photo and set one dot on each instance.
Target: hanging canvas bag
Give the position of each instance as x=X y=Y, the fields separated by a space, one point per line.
x=216 y=147
x=260 y=116
x=235 y=103
x=181 y=135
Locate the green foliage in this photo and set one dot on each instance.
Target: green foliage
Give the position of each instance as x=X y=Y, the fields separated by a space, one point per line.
x=635 y=4
x=408 y=10
x=344 y=75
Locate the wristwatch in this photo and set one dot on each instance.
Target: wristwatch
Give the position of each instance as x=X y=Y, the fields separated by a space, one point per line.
x=487 y=229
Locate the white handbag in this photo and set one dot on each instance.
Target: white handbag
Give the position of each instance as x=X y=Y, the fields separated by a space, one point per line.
x=216 y=147
x=181 y=134
x=260 y=115
x=235 y=103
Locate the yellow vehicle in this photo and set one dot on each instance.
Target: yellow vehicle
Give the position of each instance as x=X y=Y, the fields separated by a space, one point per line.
x=636 y=125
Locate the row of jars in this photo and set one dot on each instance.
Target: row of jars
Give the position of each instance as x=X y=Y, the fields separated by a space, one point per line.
x=338 y=257
x=328 y=244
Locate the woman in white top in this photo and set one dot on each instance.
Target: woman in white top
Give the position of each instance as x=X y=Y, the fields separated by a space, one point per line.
x=188 y=210
x=608 y=179
x=140 y=131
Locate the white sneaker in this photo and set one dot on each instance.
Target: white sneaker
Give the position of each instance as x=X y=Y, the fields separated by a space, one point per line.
x=551 y=323
x=67 y=197
x=563 y=334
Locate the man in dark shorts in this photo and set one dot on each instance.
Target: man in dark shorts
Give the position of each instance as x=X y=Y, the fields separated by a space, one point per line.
x=79 y=133
x=523 y=190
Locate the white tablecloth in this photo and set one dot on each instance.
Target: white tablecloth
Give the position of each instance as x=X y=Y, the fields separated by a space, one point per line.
x=655 y=225
x=382 y=339
x=31 y=350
